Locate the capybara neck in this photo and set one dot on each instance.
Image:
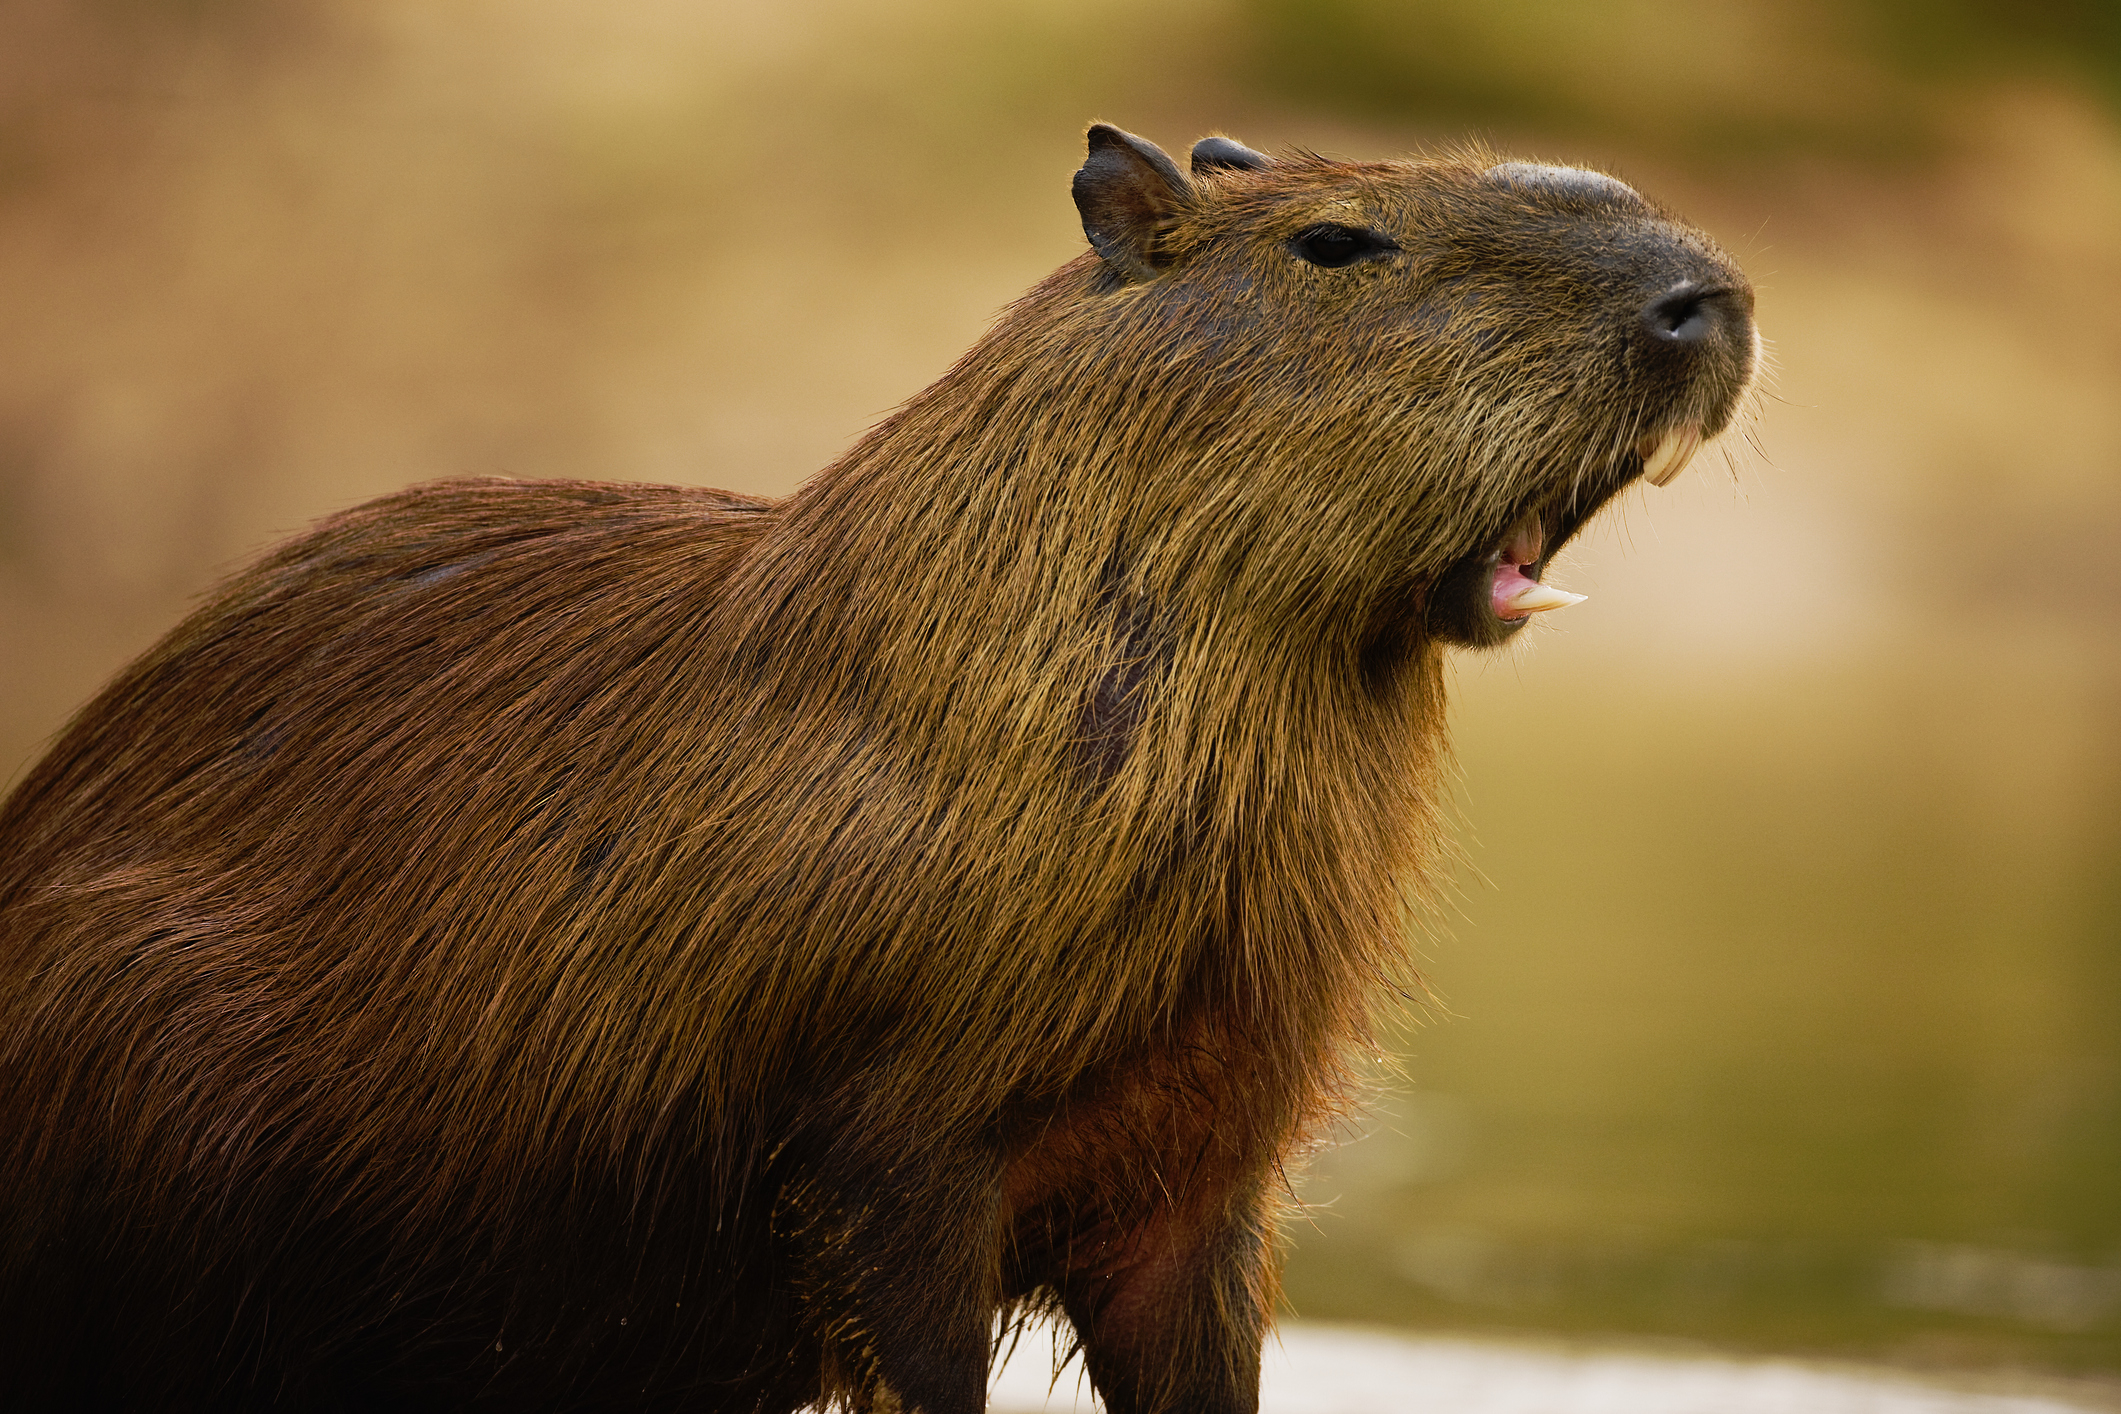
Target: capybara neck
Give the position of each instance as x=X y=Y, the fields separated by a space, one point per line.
x=1062 y=583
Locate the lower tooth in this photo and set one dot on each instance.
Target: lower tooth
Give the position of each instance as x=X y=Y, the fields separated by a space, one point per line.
x=1537 y=598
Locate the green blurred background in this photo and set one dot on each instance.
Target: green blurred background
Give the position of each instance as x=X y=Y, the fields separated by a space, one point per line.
x=1779 y=997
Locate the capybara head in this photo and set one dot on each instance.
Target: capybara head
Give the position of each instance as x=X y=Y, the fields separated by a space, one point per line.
x=1425 y=372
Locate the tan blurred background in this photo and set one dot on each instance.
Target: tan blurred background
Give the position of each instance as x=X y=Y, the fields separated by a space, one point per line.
x=1781 y=998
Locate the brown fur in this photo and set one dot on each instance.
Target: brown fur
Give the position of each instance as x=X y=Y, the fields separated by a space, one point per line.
x=577 y=945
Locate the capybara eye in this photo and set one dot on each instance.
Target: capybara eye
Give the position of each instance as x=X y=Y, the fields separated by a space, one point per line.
x=1334 y=246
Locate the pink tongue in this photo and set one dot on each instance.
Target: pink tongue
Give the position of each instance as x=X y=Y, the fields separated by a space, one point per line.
x=1509 y=582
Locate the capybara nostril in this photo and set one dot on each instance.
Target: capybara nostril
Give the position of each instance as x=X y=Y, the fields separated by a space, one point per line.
x=1688 y=313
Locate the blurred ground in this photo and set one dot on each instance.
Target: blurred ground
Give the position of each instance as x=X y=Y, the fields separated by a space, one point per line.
x=1312 y=1369
x=1779 y=999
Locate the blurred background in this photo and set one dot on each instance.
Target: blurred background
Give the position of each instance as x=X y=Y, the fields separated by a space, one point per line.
x=1778 y=1000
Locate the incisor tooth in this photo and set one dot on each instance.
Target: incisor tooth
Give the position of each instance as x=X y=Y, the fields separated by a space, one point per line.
x=1537 y=598
x=1671 y=454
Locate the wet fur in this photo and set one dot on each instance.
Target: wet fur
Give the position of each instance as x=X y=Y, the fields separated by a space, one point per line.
x=582 y=946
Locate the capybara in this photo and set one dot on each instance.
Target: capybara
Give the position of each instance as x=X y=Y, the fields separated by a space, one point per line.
x=555 y=945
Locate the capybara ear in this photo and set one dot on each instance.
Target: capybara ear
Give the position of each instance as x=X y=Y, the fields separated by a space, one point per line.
x=1211 y=153
x=1127 y=192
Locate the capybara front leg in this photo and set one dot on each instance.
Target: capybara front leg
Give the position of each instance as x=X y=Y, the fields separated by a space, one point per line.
x=1174 y=1322
x=899 y=1272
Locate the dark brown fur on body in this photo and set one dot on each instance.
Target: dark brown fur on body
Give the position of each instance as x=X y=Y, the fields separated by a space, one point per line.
x=579 y=946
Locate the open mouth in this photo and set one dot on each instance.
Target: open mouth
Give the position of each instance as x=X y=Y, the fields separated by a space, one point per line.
x=1514 y=588
x=1491 y=594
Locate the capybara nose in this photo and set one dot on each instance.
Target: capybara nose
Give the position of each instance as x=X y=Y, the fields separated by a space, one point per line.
x=1691 y=313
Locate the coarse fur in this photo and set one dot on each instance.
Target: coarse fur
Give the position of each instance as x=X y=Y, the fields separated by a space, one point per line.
x=572 y=946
